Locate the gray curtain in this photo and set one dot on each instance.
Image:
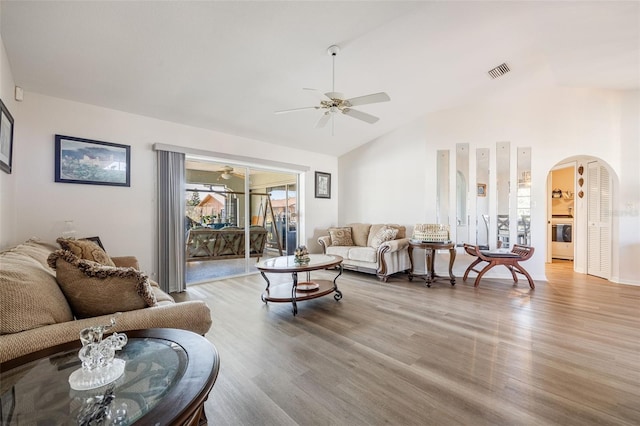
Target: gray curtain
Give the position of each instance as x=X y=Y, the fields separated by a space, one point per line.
x=171 y=214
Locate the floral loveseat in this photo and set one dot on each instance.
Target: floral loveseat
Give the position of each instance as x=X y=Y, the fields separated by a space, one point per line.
x=380 y=249
x=37 y=311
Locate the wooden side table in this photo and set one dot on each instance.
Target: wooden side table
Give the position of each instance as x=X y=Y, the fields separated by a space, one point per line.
x=430 y=252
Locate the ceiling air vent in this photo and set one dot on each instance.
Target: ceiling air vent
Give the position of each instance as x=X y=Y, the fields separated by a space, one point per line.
x=498 y=71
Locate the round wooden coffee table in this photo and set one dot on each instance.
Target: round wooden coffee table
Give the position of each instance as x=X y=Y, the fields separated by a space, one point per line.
x=298 y=291
x=168 y=376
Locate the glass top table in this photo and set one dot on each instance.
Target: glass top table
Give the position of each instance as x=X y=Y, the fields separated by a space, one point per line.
x=168 y=376
x=297 y=291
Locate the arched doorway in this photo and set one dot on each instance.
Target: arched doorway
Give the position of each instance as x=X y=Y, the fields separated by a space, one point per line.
x=580 y=223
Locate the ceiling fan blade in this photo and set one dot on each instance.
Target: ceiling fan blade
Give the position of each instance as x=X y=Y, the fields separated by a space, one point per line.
x=360 y=115
x=368 y=99
x=296 y=109
x=318 y=93
x=323 y=120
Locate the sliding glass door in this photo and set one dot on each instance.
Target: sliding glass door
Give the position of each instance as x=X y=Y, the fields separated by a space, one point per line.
x=282 y=225
x=236 y=215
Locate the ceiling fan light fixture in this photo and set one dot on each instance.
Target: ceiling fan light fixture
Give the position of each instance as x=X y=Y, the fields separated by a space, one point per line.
x=225 y=173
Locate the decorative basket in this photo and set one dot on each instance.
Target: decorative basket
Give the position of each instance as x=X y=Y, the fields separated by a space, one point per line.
x=431 y=232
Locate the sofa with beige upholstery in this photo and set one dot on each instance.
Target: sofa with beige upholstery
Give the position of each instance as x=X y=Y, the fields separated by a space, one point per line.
x=380 y=249
x=36 y=311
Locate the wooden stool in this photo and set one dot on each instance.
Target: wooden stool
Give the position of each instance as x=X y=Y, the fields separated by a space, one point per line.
x=509 y=260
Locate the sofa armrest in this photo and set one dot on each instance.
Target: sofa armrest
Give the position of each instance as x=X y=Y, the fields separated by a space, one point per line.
x=393 y=245
x=126 y=262
x=192 y=315
x=324 y=242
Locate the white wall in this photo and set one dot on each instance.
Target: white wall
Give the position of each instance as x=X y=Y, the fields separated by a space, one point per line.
x=628 y=209
x=124 y=218
x=7 y=181
x=385 y=180
x=557 y=123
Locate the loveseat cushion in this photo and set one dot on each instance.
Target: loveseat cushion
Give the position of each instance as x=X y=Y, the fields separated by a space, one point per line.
x=29 y=294
x=363 y=254
x=342 y=251
x=86 y=249
x=341 y=236
x=93 y=289
x=360 y=234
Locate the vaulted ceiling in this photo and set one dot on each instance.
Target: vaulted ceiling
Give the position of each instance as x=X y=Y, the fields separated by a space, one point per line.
x=227 y=66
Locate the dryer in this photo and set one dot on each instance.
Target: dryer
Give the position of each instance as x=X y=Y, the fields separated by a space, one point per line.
x=562 y=237
x=562 y=232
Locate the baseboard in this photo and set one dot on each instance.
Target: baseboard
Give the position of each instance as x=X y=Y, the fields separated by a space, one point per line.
x=617 y=280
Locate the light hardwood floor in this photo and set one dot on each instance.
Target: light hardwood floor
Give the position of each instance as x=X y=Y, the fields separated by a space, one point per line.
x=566 y=353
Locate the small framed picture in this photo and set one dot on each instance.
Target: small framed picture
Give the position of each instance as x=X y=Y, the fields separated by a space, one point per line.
x=6 y=138
x=95 y=240
x=482 y=190
x=323 y=185
x=92 y=162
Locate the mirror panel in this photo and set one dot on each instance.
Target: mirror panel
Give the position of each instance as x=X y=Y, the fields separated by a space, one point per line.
x=442 y=194
x=524 y=196
x=462 y=192
x=482 y=198
x=503 y=157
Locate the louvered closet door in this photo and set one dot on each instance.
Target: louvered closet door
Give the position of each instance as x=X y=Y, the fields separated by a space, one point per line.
x=598 y=221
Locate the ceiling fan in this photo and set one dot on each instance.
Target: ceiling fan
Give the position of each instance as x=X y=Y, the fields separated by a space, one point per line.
x=226 y=172
x=334 y=102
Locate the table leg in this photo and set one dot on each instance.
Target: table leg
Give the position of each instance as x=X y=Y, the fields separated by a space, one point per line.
x=452 y=258
x=294 y=287
x=338 y=294
x=430 y=266
x=268 y=284
x=411 y=263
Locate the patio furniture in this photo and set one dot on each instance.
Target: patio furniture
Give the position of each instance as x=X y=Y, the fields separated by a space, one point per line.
x=503 y=230
x=510 y=260
x=225 y=243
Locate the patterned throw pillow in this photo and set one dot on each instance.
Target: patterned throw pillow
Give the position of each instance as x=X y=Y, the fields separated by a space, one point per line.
x=93 y=289
x=386 y=233
x=341 y=237
x=86 y=249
